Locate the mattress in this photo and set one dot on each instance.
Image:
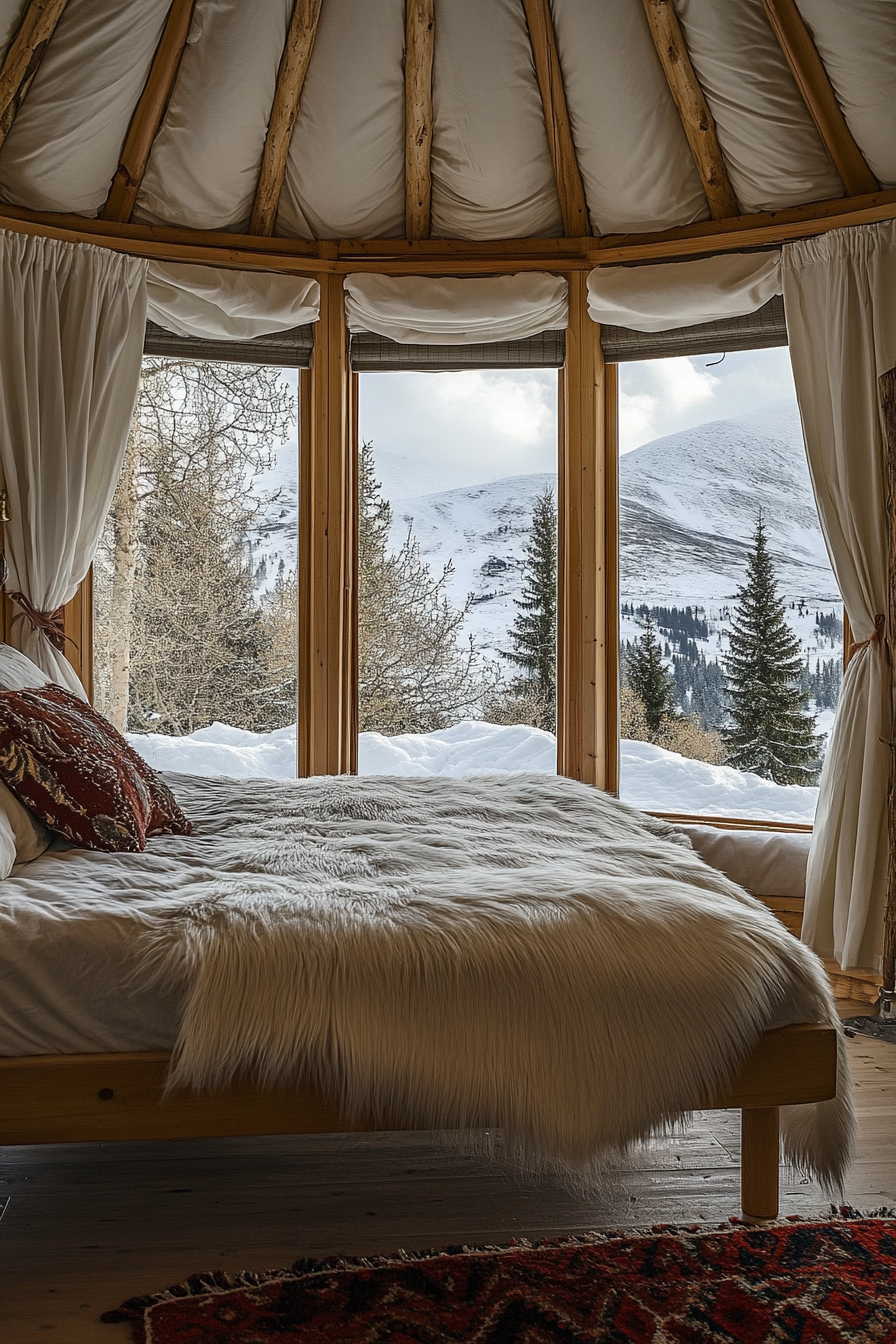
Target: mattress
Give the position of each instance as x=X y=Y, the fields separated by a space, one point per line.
x=71 y=958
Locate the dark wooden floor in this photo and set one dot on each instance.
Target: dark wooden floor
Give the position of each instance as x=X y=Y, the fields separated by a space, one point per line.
x=88 y=1225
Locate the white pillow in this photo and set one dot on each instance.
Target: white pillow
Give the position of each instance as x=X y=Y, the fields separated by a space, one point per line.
x=7 y=846
x=30 y=837
x=18 y=673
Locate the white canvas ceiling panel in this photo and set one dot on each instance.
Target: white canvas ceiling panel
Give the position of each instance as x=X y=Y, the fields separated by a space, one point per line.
x=857 y=42
x=635 y=162
x=65 y=143
x=206 y=158
x=345 y=177
x=491 y=168
x=774 y=155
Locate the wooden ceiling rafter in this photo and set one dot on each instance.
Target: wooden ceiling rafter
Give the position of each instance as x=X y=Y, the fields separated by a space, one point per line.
x=818 y=94
x=149 y=113
x=567 y=175
x=696 y=118
x=26 y=51
x=451 y=256
x=419 y=51
x=284 y=111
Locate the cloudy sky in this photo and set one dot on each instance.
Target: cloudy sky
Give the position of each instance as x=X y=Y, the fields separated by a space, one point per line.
x=480 y=425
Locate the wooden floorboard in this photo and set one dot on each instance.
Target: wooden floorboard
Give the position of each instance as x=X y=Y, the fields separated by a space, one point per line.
x=88 y=1225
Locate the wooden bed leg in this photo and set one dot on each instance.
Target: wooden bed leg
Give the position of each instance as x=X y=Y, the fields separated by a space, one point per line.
x=759 y=1148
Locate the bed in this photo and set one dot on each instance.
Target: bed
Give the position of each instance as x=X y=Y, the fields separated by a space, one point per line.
x=354 y=953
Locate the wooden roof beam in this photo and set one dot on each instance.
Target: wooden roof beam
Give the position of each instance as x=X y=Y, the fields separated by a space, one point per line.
x=149 y=113
x=285 y=110
x=818 y=94
x=419 y=47
x=453 y=256
x=26 y=51
x=696 y=118
x=570 y=191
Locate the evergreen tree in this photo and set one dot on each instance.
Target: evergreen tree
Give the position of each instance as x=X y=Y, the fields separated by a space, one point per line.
x=534 y=629
x=771 y=732
x=647 y=676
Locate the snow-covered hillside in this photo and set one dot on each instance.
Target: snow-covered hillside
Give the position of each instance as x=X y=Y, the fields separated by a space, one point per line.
x=652 y=778
x=689 y=504
x=688 y=508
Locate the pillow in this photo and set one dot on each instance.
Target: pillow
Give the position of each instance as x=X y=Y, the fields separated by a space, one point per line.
x=75 y=771
x=18 y=673
x=30 y=836
x=7 y=847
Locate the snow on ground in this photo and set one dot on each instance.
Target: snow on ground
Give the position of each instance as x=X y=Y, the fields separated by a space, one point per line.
x=651 y=778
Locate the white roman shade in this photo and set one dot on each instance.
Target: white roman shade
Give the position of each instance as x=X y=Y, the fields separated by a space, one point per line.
x=221 y=305
x=417 y=310
x=683 y=294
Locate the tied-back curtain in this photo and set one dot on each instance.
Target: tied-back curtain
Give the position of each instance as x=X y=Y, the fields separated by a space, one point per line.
x=72 y=320
x=840 y=302
x=418 y=310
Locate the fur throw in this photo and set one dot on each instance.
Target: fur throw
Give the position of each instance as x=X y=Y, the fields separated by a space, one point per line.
x=519 y=951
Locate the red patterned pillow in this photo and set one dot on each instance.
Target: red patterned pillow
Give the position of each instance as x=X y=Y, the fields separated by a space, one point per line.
x=78 y=774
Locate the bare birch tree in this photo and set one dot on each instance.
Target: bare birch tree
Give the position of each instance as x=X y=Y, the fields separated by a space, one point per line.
x=179 y=636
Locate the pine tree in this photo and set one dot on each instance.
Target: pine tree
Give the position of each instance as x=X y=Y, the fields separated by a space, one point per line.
x=647 y=676
x=771 y=732
x=534 y=629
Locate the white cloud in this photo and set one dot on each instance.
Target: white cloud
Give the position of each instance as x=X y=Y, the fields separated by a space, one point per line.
x=662 y=396
x=479 y=424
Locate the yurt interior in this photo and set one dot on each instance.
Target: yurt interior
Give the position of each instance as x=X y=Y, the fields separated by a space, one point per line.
x=447 y=679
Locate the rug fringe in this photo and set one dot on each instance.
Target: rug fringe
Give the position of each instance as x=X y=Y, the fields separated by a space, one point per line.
x=218 y=1281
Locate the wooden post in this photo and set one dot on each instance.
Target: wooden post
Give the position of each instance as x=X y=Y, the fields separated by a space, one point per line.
x=327 y=545
x=887 y=1002
x=588 y=583
x=78 y=616
x=759 y=1150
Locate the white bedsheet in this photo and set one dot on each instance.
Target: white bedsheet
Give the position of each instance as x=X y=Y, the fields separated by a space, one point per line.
x=69 y=926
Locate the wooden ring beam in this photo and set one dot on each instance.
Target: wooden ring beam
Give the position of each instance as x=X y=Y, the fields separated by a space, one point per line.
x=112 y=1097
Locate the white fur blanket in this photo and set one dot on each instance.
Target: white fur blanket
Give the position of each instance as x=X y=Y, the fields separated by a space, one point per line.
x=521 y=951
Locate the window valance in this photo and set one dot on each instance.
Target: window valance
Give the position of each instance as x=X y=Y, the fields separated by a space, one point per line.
x=221 y=305
x=683 y=293
x=418 y=310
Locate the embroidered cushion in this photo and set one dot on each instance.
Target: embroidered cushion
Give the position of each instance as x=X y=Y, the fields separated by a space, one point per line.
x=76 y=772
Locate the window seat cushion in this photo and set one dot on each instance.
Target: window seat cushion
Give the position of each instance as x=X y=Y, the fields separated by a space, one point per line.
x=766 y=863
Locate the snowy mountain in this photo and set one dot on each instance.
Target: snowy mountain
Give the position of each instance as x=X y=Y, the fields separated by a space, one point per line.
x=688 y=506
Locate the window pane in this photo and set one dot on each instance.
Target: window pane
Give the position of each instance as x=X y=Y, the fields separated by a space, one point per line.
x=732 y=636
x=457 y=572
x=195 y=579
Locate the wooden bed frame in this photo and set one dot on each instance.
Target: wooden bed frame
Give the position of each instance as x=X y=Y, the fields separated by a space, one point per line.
x=112 y=1097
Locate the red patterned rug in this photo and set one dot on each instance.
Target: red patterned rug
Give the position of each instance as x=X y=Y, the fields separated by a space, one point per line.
x=796 y=1283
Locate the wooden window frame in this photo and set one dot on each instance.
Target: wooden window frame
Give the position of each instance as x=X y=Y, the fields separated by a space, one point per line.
x=588 y=559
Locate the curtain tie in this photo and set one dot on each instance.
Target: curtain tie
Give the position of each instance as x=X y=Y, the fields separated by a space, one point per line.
x=877 y=637
x=50 y=623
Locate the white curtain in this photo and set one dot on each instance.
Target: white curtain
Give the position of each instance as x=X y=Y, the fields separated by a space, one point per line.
x=840 y=301
x=72 y=319
x=417 y=310
x=228 y=305
x=683 y=293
